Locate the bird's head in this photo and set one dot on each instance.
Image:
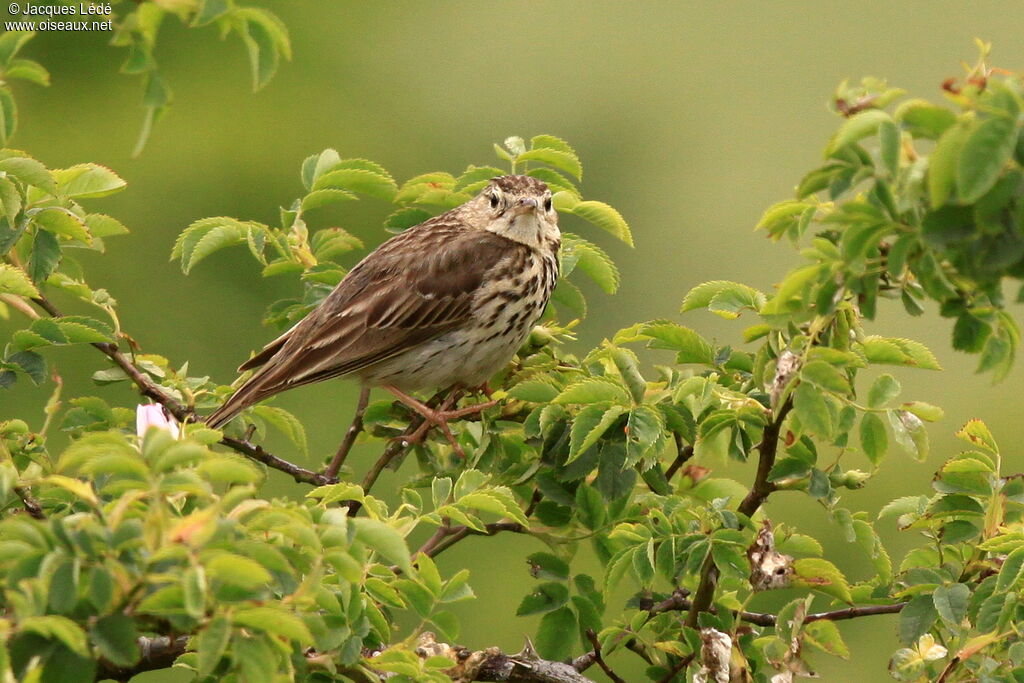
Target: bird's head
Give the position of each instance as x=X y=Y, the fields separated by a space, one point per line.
x=517 y=207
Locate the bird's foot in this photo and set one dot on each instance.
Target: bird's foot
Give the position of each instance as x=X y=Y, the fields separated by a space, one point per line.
x=438 y=417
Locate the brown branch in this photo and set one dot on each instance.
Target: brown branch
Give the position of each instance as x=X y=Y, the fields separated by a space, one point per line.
x=182 y=413
x=455 y=534
x=259 y=454
x=592 y=637
x=350 y=436
x=492 y=664
x=768 y=448
x=685 y=452
x=678 y=602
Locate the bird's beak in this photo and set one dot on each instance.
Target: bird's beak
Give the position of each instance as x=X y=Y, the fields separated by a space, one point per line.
x=525 y=205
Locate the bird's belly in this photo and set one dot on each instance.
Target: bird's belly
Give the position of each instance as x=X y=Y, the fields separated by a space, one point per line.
x=460 y=357
x=505 y=310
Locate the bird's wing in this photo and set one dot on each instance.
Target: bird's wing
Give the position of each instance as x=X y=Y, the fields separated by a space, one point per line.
x=413 y=288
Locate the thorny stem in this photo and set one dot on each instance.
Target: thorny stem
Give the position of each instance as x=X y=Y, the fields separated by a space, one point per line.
x=592 y=637
x=350 y=436
x=759 y=492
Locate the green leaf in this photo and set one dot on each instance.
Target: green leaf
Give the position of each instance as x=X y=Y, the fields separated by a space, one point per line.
x=925 y=411
x=263 y=52
x=825 y=376
x=101 y=225
x=590 y=507
x=116 y=639
x=951 y=603
x=909 y=433
x=28 y=171
x=275 y=621
x=856 y=128
x=977 y=433
x=8 y=115
x=917 y=618
x=385 y=540
x=548 y=566
x=63 y=593
x=896 y=351
x=691 y=347
x=604 y=217
x=44 y=257
x=204 y=237
x=11 y=42
x=359 y=180
x=723 y=298
x=822 y=575
x=873 y=437
x=594 y=390
x=534 y=391
x=236 y=570
x=943 y=164
x=589 y=426
x=61 y=628
x=553 y=641
x=286 y=423
x=825 y=636
x=211 y=644
x=924 y=119
x=62 y=222
x=883 y=389
x=810 y=407
x=1012 y=571
x=87 y=180
x=558 y=158
x=544 y=598
x=593 y=261
x=985 y=151
x=13 y=280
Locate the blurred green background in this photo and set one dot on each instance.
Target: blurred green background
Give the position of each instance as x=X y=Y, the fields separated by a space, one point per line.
x=690 y=118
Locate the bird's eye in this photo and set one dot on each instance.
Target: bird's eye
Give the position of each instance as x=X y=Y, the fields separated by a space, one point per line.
x=494 y=201
x=547 y=204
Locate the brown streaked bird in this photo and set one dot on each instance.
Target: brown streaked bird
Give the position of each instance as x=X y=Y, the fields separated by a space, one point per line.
x=445 y=303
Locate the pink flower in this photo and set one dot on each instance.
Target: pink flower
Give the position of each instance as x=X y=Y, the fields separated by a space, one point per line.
x=154 y=415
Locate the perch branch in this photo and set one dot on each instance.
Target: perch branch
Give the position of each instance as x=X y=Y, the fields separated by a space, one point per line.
x=350 y=436
x=182 y=413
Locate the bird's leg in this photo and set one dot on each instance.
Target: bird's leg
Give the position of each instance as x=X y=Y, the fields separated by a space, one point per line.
x=440 y=416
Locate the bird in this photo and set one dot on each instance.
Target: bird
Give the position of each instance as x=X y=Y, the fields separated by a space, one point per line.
x=442 y=305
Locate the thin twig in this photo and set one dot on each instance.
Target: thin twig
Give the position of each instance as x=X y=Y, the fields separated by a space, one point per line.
x=676 y=668
x=678 y=602
x=259 y=454
x=456 y=534
x=183 y=413
x=684 y=453
x=18 y=303
x=350 y=436
x=592 y=637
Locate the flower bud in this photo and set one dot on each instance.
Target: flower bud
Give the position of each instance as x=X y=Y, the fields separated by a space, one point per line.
x=154 y=415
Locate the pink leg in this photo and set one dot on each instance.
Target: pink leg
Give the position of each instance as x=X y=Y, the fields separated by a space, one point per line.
x=438 y=417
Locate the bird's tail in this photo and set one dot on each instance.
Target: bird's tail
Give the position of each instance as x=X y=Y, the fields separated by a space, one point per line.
x=252 y=391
